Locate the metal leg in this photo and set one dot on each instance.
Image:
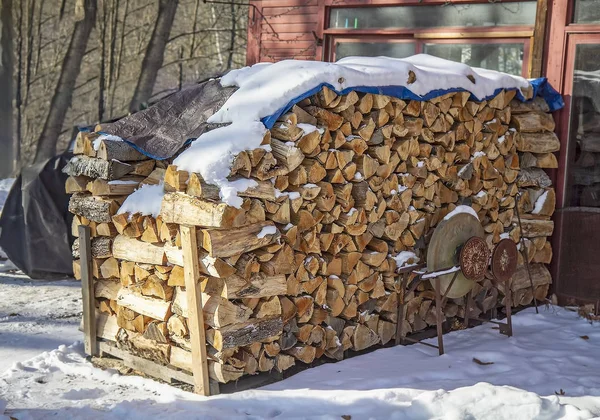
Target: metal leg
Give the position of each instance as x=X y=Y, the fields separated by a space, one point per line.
x=400 y=315
x=508 y=299
x=467 y=309
x=438 y=313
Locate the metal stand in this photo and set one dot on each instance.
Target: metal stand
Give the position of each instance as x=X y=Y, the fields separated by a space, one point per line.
x=473 y=262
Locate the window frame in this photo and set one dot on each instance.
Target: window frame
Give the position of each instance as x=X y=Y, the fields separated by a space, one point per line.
x=420 y=42
x=450 y=34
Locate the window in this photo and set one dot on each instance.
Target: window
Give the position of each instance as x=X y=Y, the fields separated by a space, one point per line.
x=436 y=16
x=491 y=35
x=505 y=57
x=398 y=49
x=586 y=11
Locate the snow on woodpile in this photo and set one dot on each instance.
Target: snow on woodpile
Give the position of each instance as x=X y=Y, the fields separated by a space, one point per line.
x=265 y=89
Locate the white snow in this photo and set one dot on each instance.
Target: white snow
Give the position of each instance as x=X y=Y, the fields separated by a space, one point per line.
x=481 y=193
x=461 y=209
x=265 y=89
x=501 y=139
x=539 y=203
x=212 y=154
x=552 y=353
x=267 y=230
x=420 y=164
x=292 y=195
x=35 y=316
x=477 y=154
x=405 y=258
x=121 y=182
x=96 y=142
x=146 y=201
x=440 y=273
x=309 y=128
x=358 y=176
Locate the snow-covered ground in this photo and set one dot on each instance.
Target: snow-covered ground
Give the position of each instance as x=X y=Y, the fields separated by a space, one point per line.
x=555 y=352
x=550 y=369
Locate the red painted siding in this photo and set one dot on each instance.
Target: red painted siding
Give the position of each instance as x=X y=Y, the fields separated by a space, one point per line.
x=283 y=29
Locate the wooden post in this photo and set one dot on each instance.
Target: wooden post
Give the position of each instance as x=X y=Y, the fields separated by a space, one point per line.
x=196 y=316
x=400 y=315
x=538 y=39
x=87 y=291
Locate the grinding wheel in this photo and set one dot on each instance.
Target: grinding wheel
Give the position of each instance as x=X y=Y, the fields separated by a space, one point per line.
x=444 y=249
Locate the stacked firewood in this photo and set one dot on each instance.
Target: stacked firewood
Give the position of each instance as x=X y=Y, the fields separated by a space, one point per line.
x=350 y=188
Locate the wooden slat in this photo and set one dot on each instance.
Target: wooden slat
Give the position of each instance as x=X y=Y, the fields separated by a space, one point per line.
x=282 y=28
x=146 y=366
x=276 y=11
x=87 y=291
x=196 y=320
x=287 y=19
x=292 y=36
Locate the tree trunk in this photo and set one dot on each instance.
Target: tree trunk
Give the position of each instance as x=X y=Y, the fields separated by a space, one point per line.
x=8 y=156
x=153 y=59
x=61 y=100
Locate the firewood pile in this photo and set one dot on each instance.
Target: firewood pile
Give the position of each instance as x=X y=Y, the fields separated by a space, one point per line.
x=350 y=188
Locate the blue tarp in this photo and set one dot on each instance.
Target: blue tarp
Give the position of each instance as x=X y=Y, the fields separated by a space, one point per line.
x=541 y=87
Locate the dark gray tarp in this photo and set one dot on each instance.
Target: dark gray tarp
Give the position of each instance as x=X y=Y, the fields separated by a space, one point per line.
x=35 y=222
x=163 y=129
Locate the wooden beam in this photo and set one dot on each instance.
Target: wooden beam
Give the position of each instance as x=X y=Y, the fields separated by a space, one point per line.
x=539 y=32
x=189 y=245
x=87 y=291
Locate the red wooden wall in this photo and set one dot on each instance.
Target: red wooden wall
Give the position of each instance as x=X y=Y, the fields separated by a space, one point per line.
x=280 y=29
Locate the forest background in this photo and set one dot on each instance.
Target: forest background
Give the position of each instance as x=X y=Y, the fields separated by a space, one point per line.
x=74 y=63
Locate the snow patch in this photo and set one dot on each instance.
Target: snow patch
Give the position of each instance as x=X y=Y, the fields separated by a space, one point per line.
x=96 y=143
x=212 y=154
x=267 y=230
x=539 y=203
x=309 y=128
x=146 y=201
x=461 y=209
x=405 y=258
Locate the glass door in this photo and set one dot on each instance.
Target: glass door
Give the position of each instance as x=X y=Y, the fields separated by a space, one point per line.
x=579 y=218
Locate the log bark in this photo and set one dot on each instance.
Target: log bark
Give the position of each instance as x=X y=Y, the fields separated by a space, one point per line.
x=97 y=168
x=244 y=333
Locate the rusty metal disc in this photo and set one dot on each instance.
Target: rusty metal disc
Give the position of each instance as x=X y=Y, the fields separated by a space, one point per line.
x=444 y=249
x=504 y=260
x=474 y=258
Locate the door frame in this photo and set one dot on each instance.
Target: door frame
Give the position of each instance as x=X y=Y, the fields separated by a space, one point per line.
x=564 y=115
x=563 y=119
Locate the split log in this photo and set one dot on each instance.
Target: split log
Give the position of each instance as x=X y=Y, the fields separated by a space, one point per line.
x=153 y=308
x=244 y=333
x=186 y=210
x=97 y=168
x=228 y=242
x=130 y=249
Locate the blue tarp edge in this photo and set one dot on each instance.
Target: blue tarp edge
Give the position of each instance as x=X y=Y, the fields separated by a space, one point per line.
x=541 y=87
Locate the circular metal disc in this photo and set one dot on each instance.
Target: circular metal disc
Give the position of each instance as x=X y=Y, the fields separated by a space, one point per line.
x=474 y=258
x=504 y=260
x=444 y=250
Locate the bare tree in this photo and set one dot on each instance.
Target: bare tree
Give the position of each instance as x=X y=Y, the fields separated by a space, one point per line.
x=153 y=59
x=61 y=100
x=8 y=157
